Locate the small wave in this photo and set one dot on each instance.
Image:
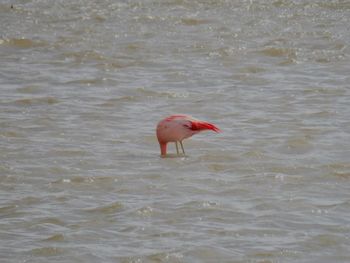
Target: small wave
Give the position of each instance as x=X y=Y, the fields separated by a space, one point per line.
x=252 y=69
x=55 y=238
x=116 y=101
x=175 y=257
x=84 y=56
x=69 y=152
x=140 y=94
x=193 y=21
x=22 y=42
x=88 y=82
x=75 y=180
x=278 y=52
x=10 y=134
x=340 y=170
x=151 y=93
x=297 y=145
x=8 y=209
x=52 y=221
x=36 y=101
x=47 y=251
x=107 y=209
x=31 y=89
x=145 y=211
x=324 y=91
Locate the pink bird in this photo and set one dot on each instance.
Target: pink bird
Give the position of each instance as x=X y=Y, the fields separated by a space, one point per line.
x=176 y=128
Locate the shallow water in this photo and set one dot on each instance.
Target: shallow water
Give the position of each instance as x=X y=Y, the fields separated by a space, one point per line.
x=83 y=85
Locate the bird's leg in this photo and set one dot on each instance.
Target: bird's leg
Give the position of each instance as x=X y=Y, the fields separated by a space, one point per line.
x=177 y=148
x=182 y=147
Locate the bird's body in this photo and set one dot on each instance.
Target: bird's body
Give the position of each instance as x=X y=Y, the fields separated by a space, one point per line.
x=176 y=128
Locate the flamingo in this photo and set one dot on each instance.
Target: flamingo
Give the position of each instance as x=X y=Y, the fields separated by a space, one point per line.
x=176 y=128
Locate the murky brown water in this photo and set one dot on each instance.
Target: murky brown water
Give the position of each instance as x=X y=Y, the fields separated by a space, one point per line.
x=83 y=85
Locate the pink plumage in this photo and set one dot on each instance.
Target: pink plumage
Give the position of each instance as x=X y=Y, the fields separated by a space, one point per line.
x=176 y=128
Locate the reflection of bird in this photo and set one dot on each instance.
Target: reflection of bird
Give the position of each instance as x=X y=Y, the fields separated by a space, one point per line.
x=176 y=128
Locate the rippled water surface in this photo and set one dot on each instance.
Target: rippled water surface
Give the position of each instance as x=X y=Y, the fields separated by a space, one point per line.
x=83 y=85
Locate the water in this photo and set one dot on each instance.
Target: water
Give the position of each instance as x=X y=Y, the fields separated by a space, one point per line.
x=83 y=85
